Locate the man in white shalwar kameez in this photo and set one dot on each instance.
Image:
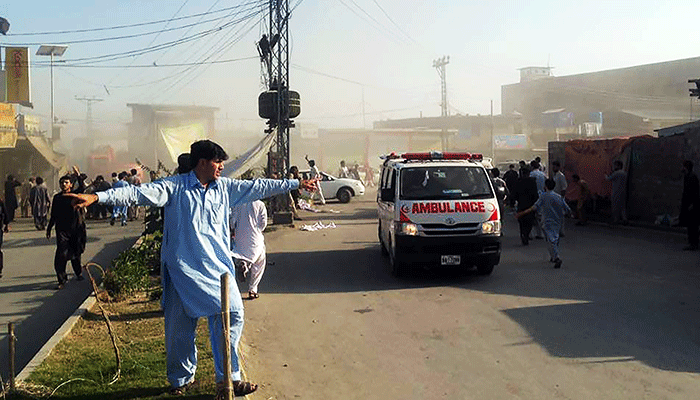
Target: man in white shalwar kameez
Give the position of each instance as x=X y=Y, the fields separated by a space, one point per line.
x=248 y=221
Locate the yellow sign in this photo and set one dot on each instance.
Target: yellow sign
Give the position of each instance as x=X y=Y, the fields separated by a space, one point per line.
x=8 y=132
x=7 y=116
x=17 y=74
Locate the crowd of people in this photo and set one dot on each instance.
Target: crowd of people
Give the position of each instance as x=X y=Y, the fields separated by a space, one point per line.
x=56 y=213
x=542 y=203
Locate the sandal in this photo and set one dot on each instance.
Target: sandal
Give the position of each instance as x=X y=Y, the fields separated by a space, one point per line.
x=240 y=388
x=179 y=391
x=253 y=295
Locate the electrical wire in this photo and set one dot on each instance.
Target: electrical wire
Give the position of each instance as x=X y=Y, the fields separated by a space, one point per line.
x=132 y=25
x=367 y=21
x=394 y=22
x=131 y=53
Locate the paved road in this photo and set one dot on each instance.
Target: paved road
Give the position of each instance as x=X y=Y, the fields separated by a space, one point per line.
x=27 y=288
x=621 y=319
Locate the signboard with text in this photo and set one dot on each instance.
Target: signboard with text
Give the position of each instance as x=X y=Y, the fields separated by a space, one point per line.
x=17 y=75
x=8 y=131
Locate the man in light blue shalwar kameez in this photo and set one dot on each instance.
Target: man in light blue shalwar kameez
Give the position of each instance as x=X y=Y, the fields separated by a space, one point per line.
x=553 y=209
x=195 y=253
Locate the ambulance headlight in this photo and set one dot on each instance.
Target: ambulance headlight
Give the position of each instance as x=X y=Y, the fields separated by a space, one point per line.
x=407 y=228
x=491 y=228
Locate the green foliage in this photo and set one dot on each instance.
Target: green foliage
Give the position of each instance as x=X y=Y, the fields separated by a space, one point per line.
x=132 y=269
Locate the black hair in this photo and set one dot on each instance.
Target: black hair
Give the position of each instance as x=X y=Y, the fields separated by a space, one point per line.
x=99 y=178
x=557 y=163
x=575 y=177
x=618 y=162
x=538 y=159
x=312 y=163
x=83 y=176
x=549 y=183
x=122 y=175
x=688 y=165
x=10 y=177
x=39 y=180
x=66 y=178
x=114 y=174
x=534 y=164
x=496 y=173
x=511 y=166
x=207 y=150
x=134 y=171
x=183 y=163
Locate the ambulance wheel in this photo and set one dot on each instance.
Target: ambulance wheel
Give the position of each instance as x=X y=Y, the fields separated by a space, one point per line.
x=399 y=267
x=381 y=242
x=485 y=269
x=344 y=195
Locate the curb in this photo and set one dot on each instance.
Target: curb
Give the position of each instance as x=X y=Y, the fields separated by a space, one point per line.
x=62 y=332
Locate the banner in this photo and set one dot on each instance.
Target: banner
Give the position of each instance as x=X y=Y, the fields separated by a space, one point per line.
x=509 y=142
x=235 y=168
x=17 y=75
x=178 y=139
x=8 y=132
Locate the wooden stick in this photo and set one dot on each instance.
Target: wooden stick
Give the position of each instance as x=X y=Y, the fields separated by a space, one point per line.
x=226 y=319
x=11 y=335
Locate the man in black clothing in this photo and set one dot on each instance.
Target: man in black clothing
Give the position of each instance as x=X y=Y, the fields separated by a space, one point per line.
x=70 y=233
x=690 y=205
x=11 y=197
x=526 y=195
x=511 y=178
x=4 y=228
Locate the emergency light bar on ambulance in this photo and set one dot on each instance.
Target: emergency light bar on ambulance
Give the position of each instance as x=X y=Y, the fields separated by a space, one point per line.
x=437 y=155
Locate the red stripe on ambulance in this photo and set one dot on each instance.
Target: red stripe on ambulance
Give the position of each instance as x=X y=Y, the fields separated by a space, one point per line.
x=447 y=207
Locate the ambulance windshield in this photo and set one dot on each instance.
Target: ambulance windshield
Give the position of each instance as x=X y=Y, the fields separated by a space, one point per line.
x=444 y=183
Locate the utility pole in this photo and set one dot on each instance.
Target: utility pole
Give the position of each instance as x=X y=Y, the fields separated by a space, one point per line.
x=439 y=65
x=88 y=117
x=278 y=104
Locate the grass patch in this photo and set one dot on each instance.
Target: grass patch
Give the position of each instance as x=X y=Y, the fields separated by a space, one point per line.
x=84 y=361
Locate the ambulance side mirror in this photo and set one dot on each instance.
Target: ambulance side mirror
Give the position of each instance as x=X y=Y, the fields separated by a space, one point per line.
x=387 y=194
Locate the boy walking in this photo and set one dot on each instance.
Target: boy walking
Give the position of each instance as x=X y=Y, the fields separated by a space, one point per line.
x=70 y=233
x=553 y=209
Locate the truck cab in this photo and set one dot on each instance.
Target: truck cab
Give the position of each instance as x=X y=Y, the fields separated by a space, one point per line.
x=438 y=210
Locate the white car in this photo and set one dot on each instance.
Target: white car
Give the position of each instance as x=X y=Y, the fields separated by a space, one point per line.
x=342 y=189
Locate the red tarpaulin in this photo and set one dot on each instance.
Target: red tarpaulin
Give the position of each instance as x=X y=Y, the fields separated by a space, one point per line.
x=592 y=161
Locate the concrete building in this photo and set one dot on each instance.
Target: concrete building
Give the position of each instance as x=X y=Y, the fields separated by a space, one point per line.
x=619 y=102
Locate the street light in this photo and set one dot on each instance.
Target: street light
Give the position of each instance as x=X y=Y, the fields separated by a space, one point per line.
x=51 y=50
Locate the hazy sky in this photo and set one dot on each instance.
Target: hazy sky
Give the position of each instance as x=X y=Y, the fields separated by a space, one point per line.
x=385 y=46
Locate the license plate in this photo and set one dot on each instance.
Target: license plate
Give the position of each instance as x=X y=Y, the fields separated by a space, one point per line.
x=450 y=260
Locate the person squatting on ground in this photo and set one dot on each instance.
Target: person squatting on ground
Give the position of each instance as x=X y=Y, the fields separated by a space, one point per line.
x=40 y=202
x=120 y=211
x=195 y=253
x=618 y=197
x=70 y=233
x=248 y=221
x=553 y=209
x=4 y=228
x=690 y=205
x=526 y=195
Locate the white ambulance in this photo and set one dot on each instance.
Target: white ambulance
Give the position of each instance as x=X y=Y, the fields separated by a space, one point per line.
x=438 y=210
